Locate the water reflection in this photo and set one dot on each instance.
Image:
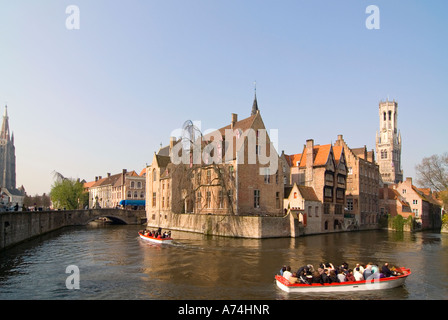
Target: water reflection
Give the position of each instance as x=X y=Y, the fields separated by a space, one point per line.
x=116 y=264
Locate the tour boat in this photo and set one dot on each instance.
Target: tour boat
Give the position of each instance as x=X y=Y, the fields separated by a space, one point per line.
x=363 y=285
x=156 y=240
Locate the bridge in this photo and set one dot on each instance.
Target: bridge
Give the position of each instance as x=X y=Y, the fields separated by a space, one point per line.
x=16 y=227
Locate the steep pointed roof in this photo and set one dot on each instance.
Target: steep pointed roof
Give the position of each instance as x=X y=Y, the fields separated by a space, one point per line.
x=4 y=133
x=254 y=106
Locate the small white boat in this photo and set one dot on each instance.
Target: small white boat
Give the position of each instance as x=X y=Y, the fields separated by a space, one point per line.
x=373 y=284
x=159 y=239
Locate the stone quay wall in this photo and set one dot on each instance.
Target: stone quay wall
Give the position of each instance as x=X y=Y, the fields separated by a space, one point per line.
x=16 y=227
x=230 y=226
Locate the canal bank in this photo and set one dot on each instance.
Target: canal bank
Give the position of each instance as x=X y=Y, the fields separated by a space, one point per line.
x=24 y=225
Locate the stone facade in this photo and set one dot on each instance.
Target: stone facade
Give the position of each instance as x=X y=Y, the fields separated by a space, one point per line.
x=9 y=194
x=388 y=143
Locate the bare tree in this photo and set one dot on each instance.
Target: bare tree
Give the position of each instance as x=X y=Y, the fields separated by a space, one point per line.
x=432 y=172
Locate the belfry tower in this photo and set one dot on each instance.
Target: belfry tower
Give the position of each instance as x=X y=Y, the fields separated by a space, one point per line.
x=388 y=143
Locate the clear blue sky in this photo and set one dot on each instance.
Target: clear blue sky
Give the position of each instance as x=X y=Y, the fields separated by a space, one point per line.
x=102 y=98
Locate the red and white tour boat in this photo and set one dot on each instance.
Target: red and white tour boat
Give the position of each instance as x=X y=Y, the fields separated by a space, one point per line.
x=363 y=285
x=159 y=239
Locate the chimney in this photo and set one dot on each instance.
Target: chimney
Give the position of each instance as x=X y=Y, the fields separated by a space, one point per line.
x=234 y=120
x=96 y=178
x=408 y=179
x=172 y=142
x=108 y=174
x=340 y=137
x=123 y=176
x=309 y=161
x=100 y=177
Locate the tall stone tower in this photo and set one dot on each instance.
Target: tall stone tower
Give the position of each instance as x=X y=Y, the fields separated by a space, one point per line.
x=388 y=143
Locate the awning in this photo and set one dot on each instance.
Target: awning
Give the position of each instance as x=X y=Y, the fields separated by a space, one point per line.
x=132 y=202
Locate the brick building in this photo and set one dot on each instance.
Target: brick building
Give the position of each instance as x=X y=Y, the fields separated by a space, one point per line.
x=322 y=168
x=363 y=182
x=232 y=176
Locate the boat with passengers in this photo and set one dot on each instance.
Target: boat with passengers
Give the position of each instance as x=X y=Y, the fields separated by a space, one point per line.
x=374 y=283
x=156 y=236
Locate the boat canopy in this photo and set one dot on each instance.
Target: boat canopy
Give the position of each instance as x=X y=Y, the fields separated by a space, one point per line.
x=132 y=202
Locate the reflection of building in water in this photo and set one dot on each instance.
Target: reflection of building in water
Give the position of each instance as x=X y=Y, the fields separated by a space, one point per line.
x=9 y=193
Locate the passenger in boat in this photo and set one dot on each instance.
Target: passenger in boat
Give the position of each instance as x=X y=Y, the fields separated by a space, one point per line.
x=316 y=278
x=367 y=272
x=349 y=275
x=287 y=273
x=324 y=276
x=293 y=279
x=302 y=277
x=333 y=278
x=357 y=274
x=283 y=269
x=386 y=272
x=340 y=274
x=360 y=268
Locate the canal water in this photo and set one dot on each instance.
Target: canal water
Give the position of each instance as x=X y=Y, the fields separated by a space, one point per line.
x=114 y=263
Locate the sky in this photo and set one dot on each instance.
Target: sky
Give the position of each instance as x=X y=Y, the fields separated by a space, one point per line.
x=103 y=97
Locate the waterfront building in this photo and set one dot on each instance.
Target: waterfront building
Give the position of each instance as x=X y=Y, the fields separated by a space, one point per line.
x=323 y=168
x=10 y=195
x=426 y=209
x=108 y=192
x=392 y=203
x=388 y=143
x=363 y=182
x=225 y=180
x=304 y=205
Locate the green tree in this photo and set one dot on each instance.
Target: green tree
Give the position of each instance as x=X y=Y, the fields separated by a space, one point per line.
x=67 y=193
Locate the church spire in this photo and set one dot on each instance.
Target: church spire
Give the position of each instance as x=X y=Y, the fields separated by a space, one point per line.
x=255 y=104
x=4 y=133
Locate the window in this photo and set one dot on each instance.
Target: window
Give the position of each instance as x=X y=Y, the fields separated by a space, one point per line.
x=257 y=149
x=208 y=199
x=256 y=198
x=277 y=200
x=129 y=194
x=414 y=201
x=390 y=115
x=328 y=192
x=163 y=202
x=267 y=175
x=326 y=208
x=384 y=116
x=295 y=195
x=310 y=209
x=350 y=204
x=221 y=199
x=404 y=191
x=139 y=185
x=132 y=185
x=135 y=195
x=341 y=179
x=198 y=199
x=154 y=198
x=154 y=175
x=316 y=211
x=415 y=211
x=329 y=177
x=142 y=194
x=350 y=170
x=168 y=201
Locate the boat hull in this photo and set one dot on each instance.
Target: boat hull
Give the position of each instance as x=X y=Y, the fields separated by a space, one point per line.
x=365 y=285
x=155 y=240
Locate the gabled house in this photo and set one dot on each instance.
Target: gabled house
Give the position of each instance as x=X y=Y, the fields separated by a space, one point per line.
x=425 y=208
x=324 y=169
x=230 y=177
